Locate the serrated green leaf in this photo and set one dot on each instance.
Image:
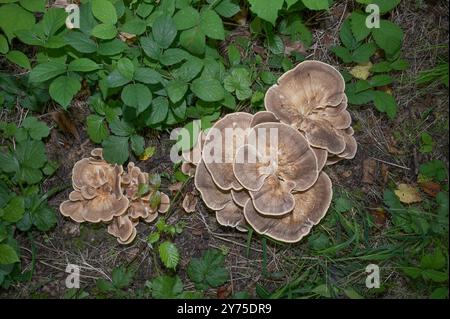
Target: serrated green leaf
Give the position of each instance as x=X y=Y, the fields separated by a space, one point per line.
x=137 y=96
x=169 y=255
x=14 y=210
x=80 y=42
x=48 y=70
x=193 y=40
x=63 y=89
x=385 y=103
x=208 y=271
x=267 y=9
x=176 y=89
x=83 y=65
x=227 y=8
x=14 y=18
x=186 y=18
x=4 y=46
x=137 y=144
x=115 y=149
x=7 y=255
x=166 y=287
x=158 y=111
x=173 y=56
x=209 y=90
x=147 y=76
x=151 y=48
x=96 y=128
x=36 y=129
x=19 y=58
x=358 y=23
x=389 y=37
x=104 y=31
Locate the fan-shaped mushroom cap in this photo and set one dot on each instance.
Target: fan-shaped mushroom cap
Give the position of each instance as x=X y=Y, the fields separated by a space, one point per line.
x=189 y=202
x=287 y=155
x=311 y=97
x=214 y=197
x=194 y=155
x=122 y=228
x=219 y=151
x=75 y=196
x=231 y=215
x=349 y=152
x=139 y=209
x=263 y=117
x=151 y=217
x=97 y=152
x=164 y=203
x=308 y=86
x=102 y=208
x=85 y=172
x=311 y=206
x=88 y=192
x=188 y=168
x=240 y=197
x=321 y=156
x=130 y=239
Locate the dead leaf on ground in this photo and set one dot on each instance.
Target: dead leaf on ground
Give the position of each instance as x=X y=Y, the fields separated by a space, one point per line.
x=127 y=37
x=384 y=172
x=148 y=153
x=379 y=216
x=361 y=71
x=408 y=194
x=430 y=188
x=369 y=167
x=224 y=292
x=65 y=123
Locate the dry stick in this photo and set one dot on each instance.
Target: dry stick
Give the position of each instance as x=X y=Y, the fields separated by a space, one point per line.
x=389 y=163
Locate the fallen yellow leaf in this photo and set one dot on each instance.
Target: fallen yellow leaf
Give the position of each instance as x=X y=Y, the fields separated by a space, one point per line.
x=148 y=153
x=407 y=194
x=361 y=71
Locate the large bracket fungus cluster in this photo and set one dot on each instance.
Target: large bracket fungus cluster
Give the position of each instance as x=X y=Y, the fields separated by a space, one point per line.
x=279 y=189
x=103 y=192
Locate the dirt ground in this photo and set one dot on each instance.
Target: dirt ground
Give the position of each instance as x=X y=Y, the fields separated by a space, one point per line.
x=395 y=158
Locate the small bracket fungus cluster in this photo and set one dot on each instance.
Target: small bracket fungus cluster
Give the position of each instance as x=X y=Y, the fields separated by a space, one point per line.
x=265 y=170
x=103 y=192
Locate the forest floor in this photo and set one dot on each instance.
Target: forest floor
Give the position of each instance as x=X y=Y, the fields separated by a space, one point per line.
x=388 y=154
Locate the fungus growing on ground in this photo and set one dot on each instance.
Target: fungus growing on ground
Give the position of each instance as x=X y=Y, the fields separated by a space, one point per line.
x=311 y=98
x=103 y=192
x=279 y=189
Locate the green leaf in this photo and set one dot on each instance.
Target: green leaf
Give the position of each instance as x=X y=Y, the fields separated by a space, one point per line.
x=48 y=70
x=31 y=153
x=169 y=255
x=380 y=80
x=316 y=4
x=134 y=26
x=358 y=23
x=209 y=90
x=137 y=144
x=267 y=9
x=7 y=255
x=80 y=42
x=44 y=218
x=363 y=53
x=186 y=18
x=239 y=82
x=19 y=58
x=115 y=149
x=36 y=129
x=166 y=287
x=189 y=70
x=122 y=277
x=112 y=47
x=14 y=18
x=96 y=128
x=434 y=169
x=147 y=76
x=164 y=31
x=158 y=110
x=53 y=20
x=121 y=128
x=104 y=11
x=4 y=47
x=385 y=103
x=151 y=48
x=440 y=293
x=211 y=25
x=389 y=37
x=381 y=67
x=137 y=96
x=63 y=89
x=208 y=271
x=173 y=56
x=227 y=8
x=343 y=205
x=115 y=79
x=126 y=68
x=176 y=89
x=14 y=210
x=434 y=275
x=82 y=65
x=346 y=35
x=352 y=293
x=384 y=5
x=342 y=53
x=193 y=40
x=434 y=261
x=104 y=31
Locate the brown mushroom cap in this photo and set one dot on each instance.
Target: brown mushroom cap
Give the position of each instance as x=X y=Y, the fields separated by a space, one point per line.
x=194 y=155
x=189 y=202
x=293 y=160
x=164 y=203
x=231 y=215
x=122 y=228
x=321 y=155
x=72 y=209
x=97 y=152
x=130 y=239
x=263 y=117
x=308 y=86
x=240 y=197
x=188 y=169
x=321 y=134
x=214 y=197
x=75 y=196
x=85 y=172
x=235 y=124
x=151 y=217
x=311 y=206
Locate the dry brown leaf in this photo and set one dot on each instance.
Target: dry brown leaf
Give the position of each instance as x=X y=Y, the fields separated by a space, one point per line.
x=430 y=188
x=224 y=292
x=379 y=216
x=408 y=194
x=361 y=71
x=127 y=37
x=384 y=172
x=65 y=123
x=369 y=167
